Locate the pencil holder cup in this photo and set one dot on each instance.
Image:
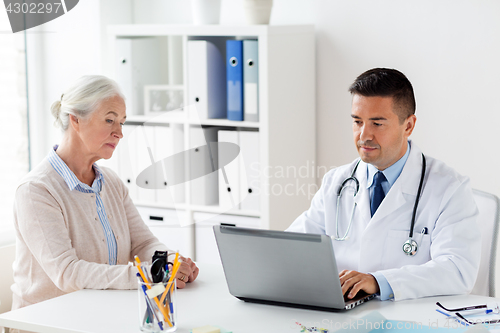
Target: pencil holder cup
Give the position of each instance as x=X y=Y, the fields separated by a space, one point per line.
x=157 y=302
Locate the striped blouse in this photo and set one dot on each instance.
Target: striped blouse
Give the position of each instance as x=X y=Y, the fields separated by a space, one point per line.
x=75 y=184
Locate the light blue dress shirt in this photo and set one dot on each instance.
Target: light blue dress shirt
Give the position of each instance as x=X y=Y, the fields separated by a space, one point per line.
x=75 y=184
x=391 y=174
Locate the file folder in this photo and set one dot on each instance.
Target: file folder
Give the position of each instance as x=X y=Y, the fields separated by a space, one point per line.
x=250 y=172
x=251 y=80
x=234 y=72
x=204 y=190
x=169 y=141
x=206 y=79
x=229 y=189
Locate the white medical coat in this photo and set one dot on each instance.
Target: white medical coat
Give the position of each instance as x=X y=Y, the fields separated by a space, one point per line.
x=447 y=260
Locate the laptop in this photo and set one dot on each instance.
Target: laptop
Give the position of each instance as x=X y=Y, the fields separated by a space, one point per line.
x=282 y=268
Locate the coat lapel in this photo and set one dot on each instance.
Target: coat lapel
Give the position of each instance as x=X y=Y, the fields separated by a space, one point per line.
x=405 y=188
x=392 y=201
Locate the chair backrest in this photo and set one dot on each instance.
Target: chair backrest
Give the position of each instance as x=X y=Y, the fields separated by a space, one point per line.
x=7 y=256
x=488 y=219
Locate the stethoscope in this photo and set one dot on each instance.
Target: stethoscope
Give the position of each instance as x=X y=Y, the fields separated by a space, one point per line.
x=410 y=247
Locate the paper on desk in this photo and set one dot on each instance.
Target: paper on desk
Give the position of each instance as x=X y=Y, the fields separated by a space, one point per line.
x=475 y=317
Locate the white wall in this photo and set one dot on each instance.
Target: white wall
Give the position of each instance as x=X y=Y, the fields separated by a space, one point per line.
x=449 y=49
x=13 y=127
x=59 y=52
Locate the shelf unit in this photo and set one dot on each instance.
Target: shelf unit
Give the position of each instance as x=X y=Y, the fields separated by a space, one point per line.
x=185 y=120
x=287 y=137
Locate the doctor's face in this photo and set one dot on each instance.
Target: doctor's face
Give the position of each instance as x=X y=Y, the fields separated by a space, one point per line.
x=379 y=136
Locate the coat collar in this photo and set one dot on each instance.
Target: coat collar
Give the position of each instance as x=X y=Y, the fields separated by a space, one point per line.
x=412 y=172
x=407 y=183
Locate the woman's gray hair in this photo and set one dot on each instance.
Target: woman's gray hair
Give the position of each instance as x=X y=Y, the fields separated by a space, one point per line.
x=83 y=98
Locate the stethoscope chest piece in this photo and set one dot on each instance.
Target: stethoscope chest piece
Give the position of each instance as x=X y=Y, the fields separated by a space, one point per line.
x=410 y=247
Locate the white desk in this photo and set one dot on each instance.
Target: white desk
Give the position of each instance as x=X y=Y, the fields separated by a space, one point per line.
x=207 y=302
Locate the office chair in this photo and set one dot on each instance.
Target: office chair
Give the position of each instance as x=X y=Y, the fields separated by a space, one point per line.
x=488 y=219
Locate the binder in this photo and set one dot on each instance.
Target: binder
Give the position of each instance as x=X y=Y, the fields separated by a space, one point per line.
x=124 y=72
x=137 y=63
x=206 y=79
x=142 y=140
x=204 y=190
x=234 y=72
x=163 y=149
x=169 y=141
x=229 y=193
x=250 y=172
x=251 y=80
x=127 y=156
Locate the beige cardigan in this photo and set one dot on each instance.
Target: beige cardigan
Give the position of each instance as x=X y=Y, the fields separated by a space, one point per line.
x=61 y=246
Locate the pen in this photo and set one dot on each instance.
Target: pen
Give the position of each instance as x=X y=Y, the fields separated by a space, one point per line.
x=166 y=278
x=473 y=312
x=146 y=272
x=144 y=278
x=162 y=308
x=165 y=275
x=171 y=306
x=148 y=302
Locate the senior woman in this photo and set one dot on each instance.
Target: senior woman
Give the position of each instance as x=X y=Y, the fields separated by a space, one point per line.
x=76 y=225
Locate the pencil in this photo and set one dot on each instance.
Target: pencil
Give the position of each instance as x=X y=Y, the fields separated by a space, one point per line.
x=171 y=280
x=176 y=260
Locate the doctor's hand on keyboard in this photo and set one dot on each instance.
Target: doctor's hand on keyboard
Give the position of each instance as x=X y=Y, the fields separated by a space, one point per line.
x=353 y=282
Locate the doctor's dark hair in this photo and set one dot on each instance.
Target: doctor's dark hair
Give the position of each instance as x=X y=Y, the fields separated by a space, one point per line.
x=385 y=82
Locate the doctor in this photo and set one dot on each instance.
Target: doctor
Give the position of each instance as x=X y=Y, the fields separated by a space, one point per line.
x=379 y=246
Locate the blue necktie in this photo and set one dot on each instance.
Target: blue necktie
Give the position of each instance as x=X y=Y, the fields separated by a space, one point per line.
x=378 y=192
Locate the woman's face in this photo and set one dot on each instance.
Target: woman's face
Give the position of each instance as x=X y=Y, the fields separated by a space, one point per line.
x=102 y=131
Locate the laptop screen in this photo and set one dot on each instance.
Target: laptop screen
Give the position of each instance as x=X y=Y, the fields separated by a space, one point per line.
x=280 y=266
